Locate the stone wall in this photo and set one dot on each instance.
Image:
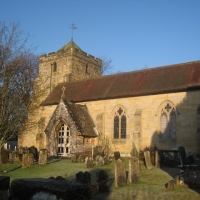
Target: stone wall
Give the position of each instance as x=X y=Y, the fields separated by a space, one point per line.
x=148 y=127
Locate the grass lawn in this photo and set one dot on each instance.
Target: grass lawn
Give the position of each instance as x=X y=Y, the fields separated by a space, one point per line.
x=151 y=185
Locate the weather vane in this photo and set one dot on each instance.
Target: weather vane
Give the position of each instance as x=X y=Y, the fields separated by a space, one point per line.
x=72 y=26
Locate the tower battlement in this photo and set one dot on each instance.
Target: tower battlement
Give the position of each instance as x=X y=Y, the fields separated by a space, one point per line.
x=68 y=64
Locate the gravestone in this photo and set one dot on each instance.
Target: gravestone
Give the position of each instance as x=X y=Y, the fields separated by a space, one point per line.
x=99 y=161
x=27 y=160
x=117 y=155
x=16 y=160
x=87 y=162
x=83 y=177
x=103 y=181
x=20 y=153
x=4 y=155
x=73 y=157
x=90 y=162
x=134 y=170
x=106 y=160
x=43 y=157
x=80 y=158
x=34 y=151
x=147 y=160
x=157 y=159
x=170 y=185
x=134 y=152
x=94 y=151
x=182 y=155
x=120 y=173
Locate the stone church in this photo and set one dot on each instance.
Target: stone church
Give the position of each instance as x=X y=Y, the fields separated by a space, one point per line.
x=79 y=108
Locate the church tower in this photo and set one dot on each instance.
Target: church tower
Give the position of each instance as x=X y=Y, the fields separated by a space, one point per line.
x=68 y=64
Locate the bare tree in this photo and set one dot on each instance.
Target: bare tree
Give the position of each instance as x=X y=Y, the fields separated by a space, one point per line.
x=106 y=65
x=18 y=70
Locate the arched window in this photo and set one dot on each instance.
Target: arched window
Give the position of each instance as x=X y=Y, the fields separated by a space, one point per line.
x=63 y=140
x=168 y=122
x=120 y=124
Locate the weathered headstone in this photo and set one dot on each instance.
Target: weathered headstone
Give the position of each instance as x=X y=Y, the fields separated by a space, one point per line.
x=42 y=157
x=73 y=157
x=16 y=160
x=94 y=151
x=182 y=155
x=170 y=185
x=106 y=160
x=90 y=162
x=157 y=159
x=99 y=161
x=80 y=158
x=120 y=173
x=34 y=151
x=134 y=152
x=27 y=160
x=147 y=160
x=103 y=181
x=134 y=170
x=117 y=155
x=4 y=156
x=83 y=177
x=87 y=162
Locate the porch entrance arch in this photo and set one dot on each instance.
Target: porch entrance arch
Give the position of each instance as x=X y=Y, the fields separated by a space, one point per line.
x=63 y=140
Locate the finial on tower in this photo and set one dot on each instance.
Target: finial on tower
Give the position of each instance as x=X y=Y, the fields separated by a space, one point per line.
x=72 y=26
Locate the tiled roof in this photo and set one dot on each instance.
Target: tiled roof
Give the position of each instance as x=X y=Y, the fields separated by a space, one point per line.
x=167 y=79
x=82 y=119
x=70 y=45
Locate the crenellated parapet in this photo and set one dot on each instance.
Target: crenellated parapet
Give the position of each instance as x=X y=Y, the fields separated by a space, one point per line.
x=68 y=64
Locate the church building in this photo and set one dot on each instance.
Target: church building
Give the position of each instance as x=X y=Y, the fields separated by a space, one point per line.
x=79 y=108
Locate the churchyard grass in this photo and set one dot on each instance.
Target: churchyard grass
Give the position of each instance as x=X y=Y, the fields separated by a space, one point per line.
x=151 y=185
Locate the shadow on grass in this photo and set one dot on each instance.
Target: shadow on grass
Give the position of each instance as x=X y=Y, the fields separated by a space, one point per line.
x=53 y=161
x=94 y=181
x=14 y=169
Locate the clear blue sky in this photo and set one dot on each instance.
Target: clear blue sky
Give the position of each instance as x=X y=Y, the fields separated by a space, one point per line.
x=133 y=33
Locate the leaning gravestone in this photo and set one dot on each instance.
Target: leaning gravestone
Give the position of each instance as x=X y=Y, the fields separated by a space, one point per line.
x=134 y=170
x=147 y=160
x=27 y=160
x=120 y=173
x=42 y=157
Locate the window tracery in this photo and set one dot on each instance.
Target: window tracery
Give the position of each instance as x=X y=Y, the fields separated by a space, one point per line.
x=120 y=124
x=168 y=122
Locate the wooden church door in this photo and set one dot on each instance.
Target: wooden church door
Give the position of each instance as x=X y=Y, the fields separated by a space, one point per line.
x=64 y=141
